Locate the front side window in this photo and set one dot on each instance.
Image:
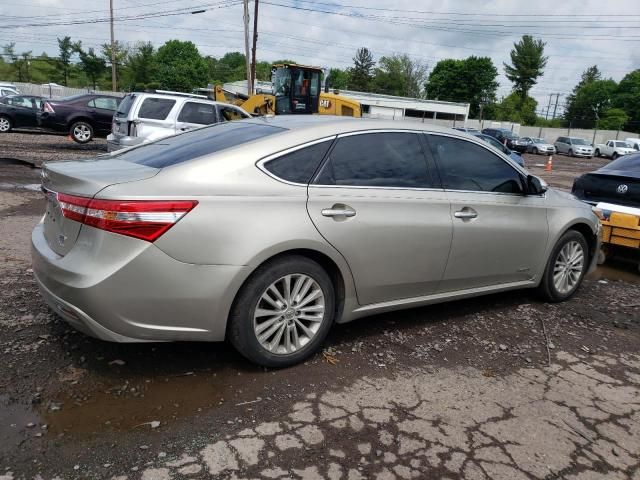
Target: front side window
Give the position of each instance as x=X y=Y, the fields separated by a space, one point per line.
x=229 y=114
x=198 y=113
x=377 y=160
x=156 y=108
x=300 y=165
x=464 y=165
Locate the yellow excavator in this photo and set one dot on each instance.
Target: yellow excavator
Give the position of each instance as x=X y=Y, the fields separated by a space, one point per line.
x=296 y=90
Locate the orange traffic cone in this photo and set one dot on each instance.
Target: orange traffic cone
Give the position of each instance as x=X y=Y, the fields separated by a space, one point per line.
x=549 y=167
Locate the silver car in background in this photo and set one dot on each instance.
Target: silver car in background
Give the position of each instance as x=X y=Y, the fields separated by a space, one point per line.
x=266 y=232
x=537 y=146
x=574 y=147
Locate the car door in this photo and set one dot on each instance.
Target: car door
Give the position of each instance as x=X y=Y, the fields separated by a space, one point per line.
x=103 y=109
x=195 y=114
x=229 y=113
x=499 y=233
x=376 y=202
x=560 y=145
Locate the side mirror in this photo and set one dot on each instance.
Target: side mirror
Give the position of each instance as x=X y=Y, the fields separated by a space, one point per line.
x=535 y=185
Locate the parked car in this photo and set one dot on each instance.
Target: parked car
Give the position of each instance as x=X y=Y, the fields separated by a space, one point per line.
x=515 y=156
x=537 y=146
x=613 y=149
x=504 y=136
x=145 y=117
x=634 y=142
x=267 y=231
x=617 y=182
x=574 y=147
x=82 y=116
x=19 y=111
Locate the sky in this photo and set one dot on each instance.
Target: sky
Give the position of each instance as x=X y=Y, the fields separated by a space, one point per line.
x=328 y=32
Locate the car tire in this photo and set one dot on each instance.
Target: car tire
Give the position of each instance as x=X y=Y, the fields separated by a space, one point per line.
x=563 y=273
x=614 y=156
x=81 y=132
x=284 y=324
x=570 y=152
x=535 y=151
x=596 y=153
x=5 y=124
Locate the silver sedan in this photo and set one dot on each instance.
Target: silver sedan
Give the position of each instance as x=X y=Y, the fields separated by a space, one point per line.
x=266 y=232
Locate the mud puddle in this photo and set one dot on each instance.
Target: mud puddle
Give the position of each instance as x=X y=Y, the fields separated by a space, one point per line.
x=616 y=271
x=147 y=403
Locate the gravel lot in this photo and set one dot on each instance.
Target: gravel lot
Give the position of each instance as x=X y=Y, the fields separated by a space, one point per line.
x=502 y=387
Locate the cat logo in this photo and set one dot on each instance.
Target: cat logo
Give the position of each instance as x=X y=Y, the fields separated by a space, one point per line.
x=324 y=103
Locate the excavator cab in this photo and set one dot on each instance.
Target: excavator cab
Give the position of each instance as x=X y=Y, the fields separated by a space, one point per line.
x=296 y=88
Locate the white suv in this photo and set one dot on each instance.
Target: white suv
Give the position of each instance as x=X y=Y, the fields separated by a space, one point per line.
x=144 y=117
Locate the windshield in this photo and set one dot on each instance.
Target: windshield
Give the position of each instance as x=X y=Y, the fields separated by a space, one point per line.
x=125 y=106
x=629 y=163
x=281 y=79
x=538 y=140
x=622 y=144
x=509 y=134
x=578 y=141
x=197 y=143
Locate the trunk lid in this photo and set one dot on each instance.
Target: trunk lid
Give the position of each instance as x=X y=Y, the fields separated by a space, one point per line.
x=84 y=178
x=620 y=190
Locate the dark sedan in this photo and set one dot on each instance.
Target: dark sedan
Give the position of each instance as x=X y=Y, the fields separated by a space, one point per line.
x=617 y=182
x=81 y=116
x=19 y=111
x=504 y=136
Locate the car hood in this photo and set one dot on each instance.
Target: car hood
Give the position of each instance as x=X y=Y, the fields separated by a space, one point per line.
x=544 y=145
x=583 y=147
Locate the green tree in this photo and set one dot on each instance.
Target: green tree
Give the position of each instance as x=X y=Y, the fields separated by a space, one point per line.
x=141 y=66
x=361 y=73
x=513 y=108
x=576 y=107
x=229 y=68
x=66 y=49
x=180 y=66
x=613 y=119
x=527 y=65
x=91 y=64
x=627 y=97
x=339 y=79
x=401 y=76
x=121 y=53
x=472 y=80
x=590 y=102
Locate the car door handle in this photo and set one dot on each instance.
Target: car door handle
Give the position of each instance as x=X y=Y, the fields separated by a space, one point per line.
x=338 y=212
x=465 y=214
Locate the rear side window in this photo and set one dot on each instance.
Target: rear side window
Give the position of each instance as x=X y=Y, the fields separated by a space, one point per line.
x=463 y=165
x=105 y=103
x=197 y=143
x=199 y=113
x=377 y=160
x=299 y=166
x=156 y=108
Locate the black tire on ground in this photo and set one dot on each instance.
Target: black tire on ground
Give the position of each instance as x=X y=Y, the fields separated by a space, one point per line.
x=535 y=151
x=614 y=156
x=596 y=153
x=5 y=124
x=240 y=330
x=81 y=132
x=570 y=153
x=547 y=288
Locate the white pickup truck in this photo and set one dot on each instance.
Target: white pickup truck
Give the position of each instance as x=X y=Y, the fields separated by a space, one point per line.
x=613 y=149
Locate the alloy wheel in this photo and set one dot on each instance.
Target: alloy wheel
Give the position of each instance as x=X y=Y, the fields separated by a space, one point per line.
x=5 y=124
x=568 y=267
x=289 y=314
x=82 y=133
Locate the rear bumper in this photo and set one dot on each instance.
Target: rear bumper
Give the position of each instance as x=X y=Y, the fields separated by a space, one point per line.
x=124 y=290
x=118 y=143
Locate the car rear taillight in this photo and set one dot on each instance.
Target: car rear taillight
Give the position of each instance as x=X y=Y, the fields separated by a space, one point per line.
x=133 y=129
x=143 y=219
x=46 y=107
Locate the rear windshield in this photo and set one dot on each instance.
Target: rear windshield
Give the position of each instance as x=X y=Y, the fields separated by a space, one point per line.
x=629 y=163
x=71 y=98
x=125 y=106
x=197 y=143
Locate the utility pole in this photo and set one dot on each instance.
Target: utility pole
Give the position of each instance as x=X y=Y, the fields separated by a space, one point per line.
x=556 y=106
x=546 y=115
x=113 y=50
x=253 y=50
x=246 y=47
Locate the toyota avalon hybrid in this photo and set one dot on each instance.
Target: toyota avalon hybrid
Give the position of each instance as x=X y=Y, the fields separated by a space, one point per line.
x=266 y=232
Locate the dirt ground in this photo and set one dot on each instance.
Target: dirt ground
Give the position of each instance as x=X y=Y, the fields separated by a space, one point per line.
x=503 y=387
